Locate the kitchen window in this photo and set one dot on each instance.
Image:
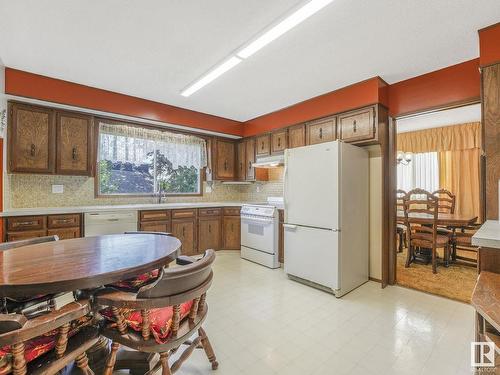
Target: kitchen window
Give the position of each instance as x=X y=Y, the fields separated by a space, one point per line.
x=135 y=160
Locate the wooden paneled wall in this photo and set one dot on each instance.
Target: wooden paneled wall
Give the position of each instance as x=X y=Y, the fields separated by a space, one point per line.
x=491 y=126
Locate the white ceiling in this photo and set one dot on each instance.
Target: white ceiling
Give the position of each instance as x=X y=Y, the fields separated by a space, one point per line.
x=453 y=116
x=154 y=48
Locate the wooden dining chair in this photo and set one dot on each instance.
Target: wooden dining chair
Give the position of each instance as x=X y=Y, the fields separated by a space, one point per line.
x=400 y=228
x=161 y=316
x=462 y=240
x=419 y=202
x=48 y=343
x=446 y=201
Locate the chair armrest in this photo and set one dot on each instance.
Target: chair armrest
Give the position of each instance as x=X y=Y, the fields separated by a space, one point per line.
x=184 y=260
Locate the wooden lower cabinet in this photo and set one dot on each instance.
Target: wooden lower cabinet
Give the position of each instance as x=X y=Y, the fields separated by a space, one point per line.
x=64 y=233
x=65 y=226
x=209 y=233
x=231 y=229
x=185 y=231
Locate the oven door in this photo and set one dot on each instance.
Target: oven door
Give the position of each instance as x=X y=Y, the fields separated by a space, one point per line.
x=259 y=234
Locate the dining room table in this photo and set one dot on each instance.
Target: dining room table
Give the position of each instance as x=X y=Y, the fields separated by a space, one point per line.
x=82 y=263
x=453 y=221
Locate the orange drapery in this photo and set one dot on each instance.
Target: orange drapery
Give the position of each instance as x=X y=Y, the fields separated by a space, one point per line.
x=459 y=151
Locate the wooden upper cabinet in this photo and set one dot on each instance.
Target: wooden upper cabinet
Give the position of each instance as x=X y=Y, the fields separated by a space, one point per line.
x=357 y=125
x=262 y=145
x=73 y=136
x=225 y=155
x=279 y=141
x=241 y=161
x=250 y=158
x=31 y=139
x=322 y=130
x=297 y=136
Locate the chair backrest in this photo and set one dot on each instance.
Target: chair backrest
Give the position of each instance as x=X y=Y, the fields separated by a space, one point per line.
x=190 y=280
x=400 y=194
x=418 y=204
x=32 y=241
x=446 y=201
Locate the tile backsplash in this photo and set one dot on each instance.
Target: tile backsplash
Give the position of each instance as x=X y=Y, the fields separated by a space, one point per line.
x=27 y=191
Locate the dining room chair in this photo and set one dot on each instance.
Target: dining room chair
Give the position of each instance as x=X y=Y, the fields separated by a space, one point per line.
x=161 y=316
x=446 y=201
x=462 y=241
x=400 y=227
x=420 y=203
x=48 y=343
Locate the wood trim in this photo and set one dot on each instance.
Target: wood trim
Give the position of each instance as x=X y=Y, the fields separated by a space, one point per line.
x=461 y=103
x=374 y=279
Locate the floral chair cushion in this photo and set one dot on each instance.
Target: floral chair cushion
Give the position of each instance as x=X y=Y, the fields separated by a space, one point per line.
x=137 y=282
x=160 y=319
x=40 y=345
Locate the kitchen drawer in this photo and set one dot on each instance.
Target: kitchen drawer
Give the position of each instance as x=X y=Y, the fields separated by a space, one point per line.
x=65 y=233
x=156 y=226
x=323 y=130
x=357 y=125
x=183 y=213
x=26 y=235
x=209 y=211
x=154 y=215
x=63 y=221
x=232 y=211
x=24 y=223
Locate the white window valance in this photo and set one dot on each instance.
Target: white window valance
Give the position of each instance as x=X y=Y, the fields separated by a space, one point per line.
x=134 y=144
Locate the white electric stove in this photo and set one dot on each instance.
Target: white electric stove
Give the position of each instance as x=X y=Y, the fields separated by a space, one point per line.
x=259 y=234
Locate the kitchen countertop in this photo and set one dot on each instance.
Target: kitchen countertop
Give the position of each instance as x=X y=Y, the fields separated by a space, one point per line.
x=488 y=235
x=147 y=206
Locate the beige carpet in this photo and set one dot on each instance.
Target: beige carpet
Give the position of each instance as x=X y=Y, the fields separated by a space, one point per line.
x=455 y=282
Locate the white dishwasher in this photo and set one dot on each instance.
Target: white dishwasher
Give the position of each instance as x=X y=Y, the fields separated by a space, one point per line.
x=109 y=222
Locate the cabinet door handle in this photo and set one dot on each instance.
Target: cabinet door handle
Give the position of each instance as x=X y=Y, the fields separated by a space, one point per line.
x=279 y=142
x=225 y=165
x=209 y=228
x=73 y=153
x=183 y=231
x=232 y=227
x=24 y=223
x=32 y=149
x=262 y=146
x=249 y=165
x=241 y=165
x=63 y=221
x=320 y=133
x=354 y=126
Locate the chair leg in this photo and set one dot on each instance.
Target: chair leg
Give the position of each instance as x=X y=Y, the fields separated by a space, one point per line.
x=209 y=350
x=434 y=260
x=110 y=362
x=409 y=256
x=82 y=362
x=165 y=369
x=400 y=247
x=19 y=367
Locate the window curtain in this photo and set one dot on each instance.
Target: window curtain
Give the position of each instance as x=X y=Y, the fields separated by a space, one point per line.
x=459 y=149
x=134 y=144
x=422 y=172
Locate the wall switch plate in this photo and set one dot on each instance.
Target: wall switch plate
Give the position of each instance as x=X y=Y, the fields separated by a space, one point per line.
x=57 y=189
x=208 y=189
x=258 y=189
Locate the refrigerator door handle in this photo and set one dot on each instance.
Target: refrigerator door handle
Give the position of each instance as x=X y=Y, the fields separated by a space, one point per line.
x=290 y=226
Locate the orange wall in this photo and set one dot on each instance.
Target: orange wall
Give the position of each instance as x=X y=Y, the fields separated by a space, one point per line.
x=354 y=96
x=35 y=86
x=454 y=84
x=489 y=45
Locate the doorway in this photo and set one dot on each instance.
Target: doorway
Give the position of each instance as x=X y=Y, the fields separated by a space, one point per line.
x=440 y=154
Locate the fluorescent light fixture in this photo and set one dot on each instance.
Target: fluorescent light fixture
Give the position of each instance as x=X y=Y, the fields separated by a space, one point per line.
x=288 y=23
x=210 y=76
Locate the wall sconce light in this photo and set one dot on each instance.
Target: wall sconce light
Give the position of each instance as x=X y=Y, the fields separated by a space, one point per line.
x=403 y=157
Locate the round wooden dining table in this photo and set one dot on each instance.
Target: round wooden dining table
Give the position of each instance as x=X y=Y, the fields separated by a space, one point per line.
x=82 y=263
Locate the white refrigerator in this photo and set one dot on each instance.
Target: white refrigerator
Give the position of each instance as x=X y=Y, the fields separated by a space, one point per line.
x=327 y=216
